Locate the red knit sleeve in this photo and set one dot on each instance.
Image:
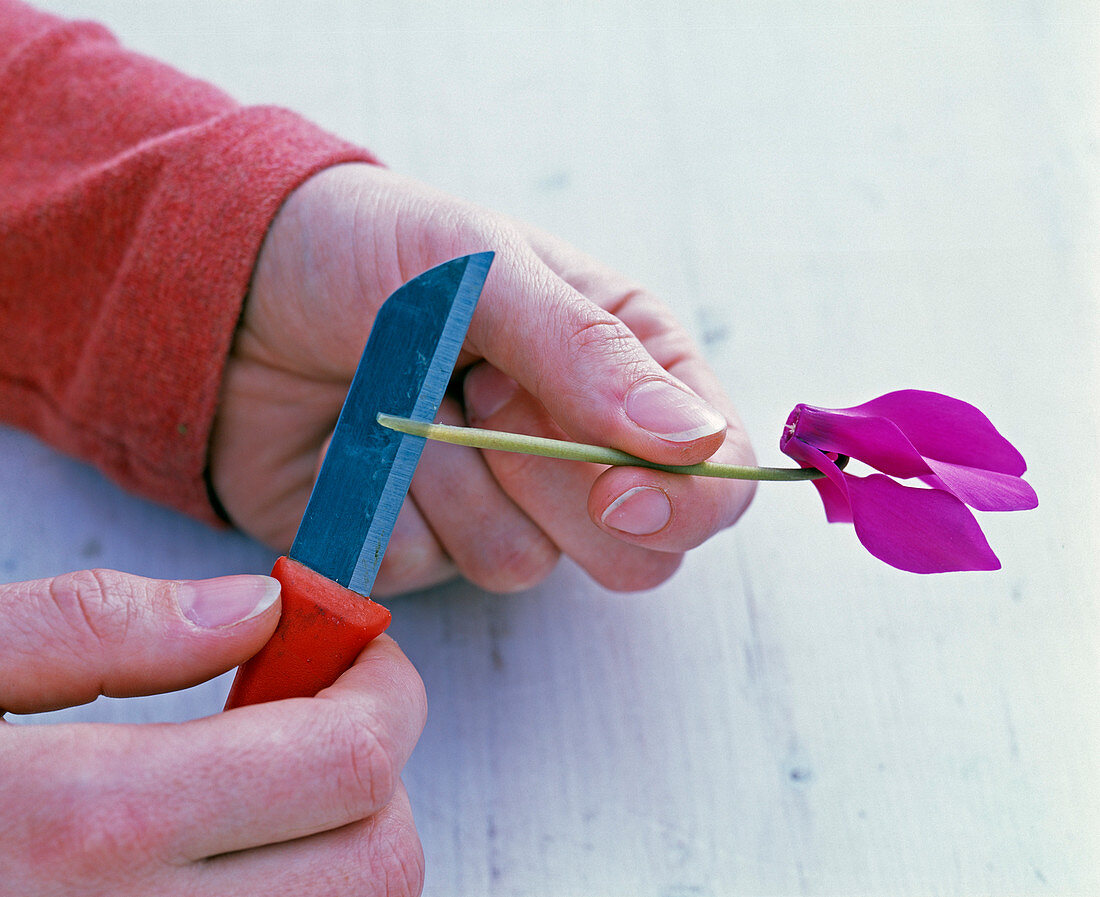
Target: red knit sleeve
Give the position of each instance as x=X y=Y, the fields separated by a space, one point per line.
x=133 y=203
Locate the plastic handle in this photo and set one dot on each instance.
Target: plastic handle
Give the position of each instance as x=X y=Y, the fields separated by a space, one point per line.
x=322 y=629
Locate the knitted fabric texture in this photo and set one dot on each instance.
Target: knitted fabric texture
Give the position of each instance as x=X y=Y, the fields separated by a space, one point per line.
x=133 y=204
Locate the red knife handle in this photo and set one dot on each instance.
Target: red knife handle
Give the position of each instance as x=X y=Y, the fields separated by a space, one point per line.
x=322 y=629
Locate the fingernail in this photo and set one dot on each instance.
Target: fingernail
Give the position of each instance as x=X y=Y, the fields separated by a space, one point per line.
x=671 y=413
x=641 y=511
x=227 y=600
x=486 y=391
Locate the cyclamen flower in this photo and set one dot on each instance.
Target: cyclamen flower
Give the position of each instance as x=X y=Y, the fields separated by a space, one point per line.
x=947 y=444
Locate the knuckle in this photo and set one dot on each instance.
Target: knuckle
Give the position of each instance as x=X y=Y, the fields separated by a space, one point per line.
x=114 y=831
x=599 y=333
x=412 y=546
x=673 y=349
x=511 y=565
x=394 y=859
x=649 y=318
x=366 y=767
x=106 y=833
x=89 y=603
x=412 y=562
x=594 y=345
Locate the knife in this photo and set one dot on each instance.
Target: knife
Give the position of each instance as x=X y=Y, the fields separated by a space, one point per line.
x=327 y=616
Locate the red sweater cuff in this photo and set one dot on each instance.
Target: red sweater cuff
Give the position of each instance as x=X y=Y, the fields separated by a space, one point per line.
x=136 y=201
x=152 y=368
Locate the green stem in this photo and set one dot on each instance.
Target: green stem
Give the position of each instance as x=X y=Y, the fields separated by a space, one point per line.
x=495 y=440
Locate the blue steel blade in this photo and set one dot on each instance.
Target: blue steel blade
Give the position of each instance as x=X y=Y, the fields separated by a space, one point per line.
x=404 y=370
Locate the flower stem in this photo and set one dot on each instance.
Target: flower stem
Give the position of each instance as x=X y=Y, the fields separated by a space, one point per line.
x=496 y=440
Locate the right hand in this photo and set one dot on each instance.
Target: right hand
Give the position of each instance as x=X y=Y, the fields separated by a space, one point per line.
x=295 y=797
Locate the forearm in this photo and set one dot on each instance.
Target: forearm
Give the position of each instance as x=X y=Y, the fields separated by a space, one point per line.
x=133 y=203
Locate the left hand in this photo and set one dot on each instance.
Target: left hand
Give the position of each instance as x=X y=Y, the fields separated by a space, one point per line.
x=558 y=346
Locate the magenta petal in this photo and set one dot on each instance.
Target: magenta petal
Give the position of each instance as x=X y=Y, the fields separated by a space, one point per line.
x=837 y=507
x=914 y=529
x=946 y=429
x=831 y=487
x=872 y=439
x=985 y=490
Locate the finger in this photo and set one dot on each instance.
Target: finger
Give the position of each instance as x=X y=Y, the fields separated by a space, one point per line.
x=288 y=769
x=586 y=366
x=665 y=339
x=70 y=638
x=414 y=558
x=554 y=493
x=583 y=363
x=129 y=802
x=381 y=855
x=650 y=320
x=663 y=511
x=490 y=539
x=253 y=776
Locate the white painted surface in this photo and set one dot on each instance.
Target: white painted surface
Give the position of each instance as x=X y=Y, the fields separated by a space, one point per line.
x=841 y=199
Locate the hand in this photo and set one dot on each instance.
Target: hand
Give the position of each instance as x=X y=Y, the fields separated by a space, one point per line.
x=294 y=797
x=559 y=346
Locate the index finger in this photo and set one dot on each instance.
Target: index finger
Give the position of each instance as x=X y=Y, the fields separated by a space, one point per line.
x=278 y=771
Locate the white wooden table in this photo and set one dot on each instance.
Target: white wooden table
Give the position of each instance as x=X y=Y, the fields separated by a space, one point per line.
x=841 y=199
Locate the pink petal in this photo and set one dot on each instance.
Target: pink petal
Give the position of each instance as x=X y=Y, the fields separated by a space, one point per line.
x=985 y=490
x=872 y=439
x=831 y=487
x=946 y=429
x=914 y=529
x=837 y=507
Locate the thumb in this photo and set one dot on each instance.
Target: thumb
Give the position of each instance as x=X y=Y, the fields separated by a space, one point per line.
x=591 y=371
x=73 y=637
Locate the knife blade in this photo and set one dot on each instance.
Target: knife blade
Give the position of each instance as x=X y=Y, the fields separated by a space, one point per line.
x=327 y=617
